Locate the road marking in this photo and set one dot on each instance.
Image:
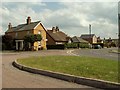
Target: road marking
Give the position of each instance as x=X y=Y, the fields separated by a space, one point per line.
x=70 y=52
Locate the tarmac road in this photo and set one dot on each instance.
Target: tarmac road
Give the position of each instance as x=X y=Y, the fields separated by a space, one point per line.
x=15 y=78
x=100 y=53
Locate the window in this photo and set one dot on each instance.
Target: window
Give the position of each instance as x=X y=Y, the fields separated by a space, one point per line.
x=28 y=32
x=16 y=34
x=59 y=43
x=39 y=32
x=39 y=43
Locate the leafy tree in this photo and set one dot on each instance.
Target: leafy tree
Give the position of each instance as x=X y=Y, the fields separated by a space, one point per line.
x=7 y=41
x=31 y=39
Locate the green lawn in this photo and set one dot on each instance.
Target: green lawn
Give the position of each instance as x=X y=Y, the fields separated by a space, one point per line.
x=97 y=68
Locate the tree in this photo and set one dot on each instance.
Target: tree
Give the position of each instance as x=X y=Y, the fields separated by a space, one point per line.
x=7 y=42
x=31 y=39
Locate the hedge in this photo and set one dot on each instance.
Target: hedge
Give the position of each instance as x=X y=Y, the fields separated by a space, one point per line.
x=71 y=45
x=55 y=46
x=76 y=45
x=68 y=45
x=84 y=45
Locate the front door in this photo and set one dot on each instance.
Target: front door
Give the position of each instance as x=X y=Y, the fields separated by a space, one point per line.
x=18 y=46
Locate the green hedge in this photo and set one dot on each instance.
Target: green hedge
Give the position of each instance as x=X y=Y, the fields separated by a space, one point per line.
x=71 y=45
x=55 y=46
x=76 y=45
x=83 y=45
x=68 y=45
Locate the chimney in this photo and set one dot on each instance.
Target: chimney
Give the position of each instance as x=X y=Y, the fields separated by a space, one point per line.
x=28 y=20
x=57 y=29
x=9 y=26
x=53 y=29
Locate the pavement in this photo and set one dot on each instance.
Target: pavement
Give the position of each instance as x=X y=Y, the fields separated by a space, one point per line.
x=15 y=78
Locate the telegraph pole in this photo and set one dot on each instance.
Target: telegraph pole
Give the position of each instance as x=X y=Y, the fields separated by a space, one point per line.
x=90 y=29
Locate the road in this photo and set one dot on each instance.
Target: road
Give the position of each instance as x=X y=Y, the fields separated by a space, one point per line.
x=15 y=78
x=100 y=53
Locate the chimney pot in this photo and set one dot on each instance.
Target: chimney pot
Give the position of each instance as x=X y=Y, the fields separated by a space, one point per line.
x=28 y=20
x=57 y=29
x=9 y=26
x=53 y=29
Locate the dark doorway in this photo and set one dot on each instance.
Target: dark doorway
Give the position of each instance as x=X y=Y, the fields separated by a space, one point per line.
x=18 y=46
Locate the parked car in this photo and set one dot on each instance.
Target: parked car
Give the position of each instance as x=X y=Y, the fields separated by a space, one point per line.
x=97 y=47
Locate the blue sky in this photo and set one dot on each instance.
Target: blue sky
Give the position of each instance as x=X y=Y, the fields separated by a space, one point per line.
x=72 y=18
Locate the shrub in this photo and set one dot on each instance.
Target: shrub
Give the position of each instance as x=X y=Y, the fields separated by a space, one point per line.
x=31 y=39
x=55 y=46
x=83 y=45
x=7 y=41
x=3 y=46
x=71 y=45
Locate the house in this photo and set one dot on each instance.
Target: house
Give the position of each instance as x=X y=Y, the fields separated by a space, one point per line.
x=91 y=38
x=76 y=39
x=56 y=37
x=20 y=31
x=99 y=40
x=111 y=42
x=79 y=42
x=115 y=41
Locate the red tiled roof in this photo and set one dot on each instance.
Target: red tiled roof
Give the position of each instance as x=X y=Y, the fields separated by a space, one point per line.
x=78 y=40
x=58 y=35
x=87 y=35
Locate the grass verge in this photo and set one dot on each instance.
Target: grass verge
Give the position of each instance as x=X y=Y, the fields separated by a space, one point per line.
x=97 y=68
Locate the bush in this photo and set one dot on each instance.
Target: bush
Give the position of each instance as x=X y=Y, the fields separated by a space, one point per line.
x=7 y=41
x=55 y=46
x=113 y=44
x=71 y=45
x=3 y=46
x=83 y=45
x=68 y=45
x=76 y=45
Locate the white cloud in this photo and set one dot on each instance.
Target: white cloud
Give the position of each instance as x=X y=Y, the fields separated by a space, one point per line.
x=60 y=0
x=72 y=18
x=1 y=31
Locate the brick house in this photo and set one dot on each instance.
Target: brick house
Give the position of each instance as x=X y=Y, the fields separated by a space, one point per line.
x=56 y=37
x=91 y=38
x=20 y=31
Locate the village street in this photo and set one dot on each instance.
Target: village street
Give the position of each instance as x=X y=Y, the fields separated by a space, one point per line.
x=15 y=78
x=100 y=53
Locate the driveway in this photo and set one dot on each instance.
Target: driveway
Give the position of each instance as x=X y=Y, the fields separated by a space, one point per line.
x=100 y=53
x=15 y=78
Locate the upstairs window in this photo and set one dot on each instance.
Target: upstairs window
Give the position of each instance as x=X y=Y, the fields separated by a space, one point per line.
x=39 y=32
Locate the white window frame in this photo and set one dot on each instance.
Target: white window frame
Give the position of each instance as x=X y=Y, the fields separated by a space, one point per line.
x=39 y=32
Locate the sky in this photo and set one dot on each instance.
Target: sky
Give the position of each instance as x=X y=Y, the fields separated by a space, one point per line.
x=73 y=18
